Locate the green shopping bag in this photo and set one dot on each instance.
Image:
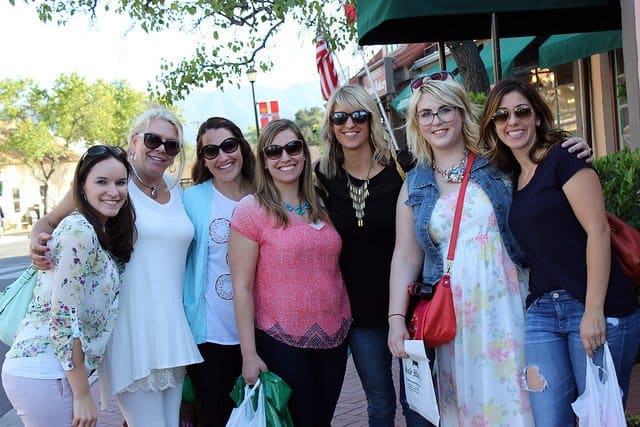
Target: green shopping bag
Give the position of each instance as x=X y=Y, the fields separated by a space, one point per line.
x=276 y=394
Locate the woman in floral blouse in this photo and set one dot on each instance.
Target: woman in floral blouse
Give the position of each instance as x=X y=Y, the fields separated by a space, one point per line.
x=70 y=319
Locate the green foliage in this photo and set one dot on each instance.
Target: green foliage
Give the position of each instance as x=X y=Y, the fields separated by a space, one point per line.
x=633 y=420
x=310 y=122
x=620 y=176
x=478 y=98
x=237 y=31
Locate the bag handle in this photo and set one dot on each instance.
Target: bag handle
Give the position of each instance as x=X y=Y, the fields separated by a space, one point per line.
x=458 y=213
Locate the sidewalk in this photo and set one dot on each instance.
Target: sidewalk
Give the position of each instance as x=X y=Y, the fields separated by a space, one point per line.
x=350 y=412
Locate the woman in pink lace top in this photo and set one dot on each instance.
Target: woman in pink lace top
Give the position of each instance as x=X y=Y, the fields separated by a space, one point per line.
x=291 y=304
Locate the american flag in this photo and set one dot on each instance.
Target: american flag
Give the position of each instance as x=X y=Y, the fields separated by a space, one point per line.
x=326 y=69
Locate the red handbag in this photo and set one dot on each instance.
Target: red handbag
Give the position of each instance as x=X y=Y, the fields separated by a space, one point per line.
x=434 y=320
x=625 y=242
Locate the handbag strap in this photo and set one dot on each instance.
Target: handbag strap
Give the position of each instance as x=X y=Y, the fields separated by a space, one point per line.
x=458 y=213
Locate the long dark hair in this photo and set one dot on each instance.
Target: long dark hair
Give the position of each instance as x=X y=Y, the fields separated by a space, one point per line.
x=119 y=233
x=546 y=135
x=200 y=172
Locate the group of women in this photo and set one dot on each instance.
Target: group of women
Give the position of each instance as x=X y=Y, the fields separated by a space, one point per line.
x=261 y=265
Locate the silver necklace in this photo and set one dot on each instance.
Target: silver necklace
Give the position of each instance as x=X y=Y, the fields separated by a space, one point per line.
x=359 y=194
x=154 y=188
x=456 y=172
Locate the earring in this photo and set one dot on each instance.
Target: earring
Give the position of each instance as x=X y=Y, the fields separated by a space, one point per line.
x=132 y=156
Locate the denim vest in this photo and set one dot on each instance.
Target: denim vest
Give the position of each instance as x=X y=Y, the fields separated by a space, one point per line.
x=423 y=195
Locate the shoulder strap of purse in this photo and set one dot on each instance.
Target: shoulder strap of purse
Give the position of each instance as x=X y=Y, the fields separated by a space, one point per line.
x=458 y=214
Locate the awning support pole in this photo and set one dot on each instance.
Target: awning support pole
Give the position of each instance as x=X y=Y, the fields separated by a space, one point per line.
x=495 y=41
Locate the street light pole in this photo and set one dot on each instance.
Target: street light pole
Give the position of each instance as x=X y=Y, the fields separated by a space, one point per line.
x=251 y=75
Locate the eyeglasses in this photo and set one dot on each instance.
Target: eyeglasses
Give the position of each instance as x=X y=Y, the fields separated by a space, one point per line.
x=444 y=113
x=273 y=152
x=341 y=117
x=502 y=115
x=211 y=151
x=99 y=150
x=153 y=141
x=437 y=76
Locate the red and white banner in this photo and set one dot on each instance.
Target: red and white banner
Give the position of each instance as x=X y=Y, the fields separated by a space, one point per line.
x=268 y=111
x=326 y=69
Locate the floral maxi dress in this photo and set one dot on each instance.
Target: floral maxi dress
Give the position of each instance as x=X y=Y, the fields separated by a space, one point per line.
x=479 y=372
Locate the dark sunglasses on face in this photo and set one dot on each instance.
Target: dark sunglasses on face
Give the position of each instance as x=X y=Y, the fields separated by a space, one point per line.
x=502 y=114
x=437 y=76
x=341 y=117
x=274 y=152
x=99 y=150
x=153 y=141
x=211 y=151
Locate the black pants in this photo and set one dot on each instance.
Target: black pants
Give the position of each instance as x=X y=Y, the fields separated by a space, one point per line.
x=212 y=382
x=315 y=377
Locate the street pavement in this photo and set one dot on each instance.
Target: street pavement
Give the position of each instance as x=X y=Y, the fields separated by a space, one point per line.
x=351 y=410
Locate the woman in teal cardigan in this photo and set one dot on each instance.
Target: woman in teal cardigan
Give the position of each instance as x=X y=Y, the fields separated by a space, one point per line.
x=223 y=174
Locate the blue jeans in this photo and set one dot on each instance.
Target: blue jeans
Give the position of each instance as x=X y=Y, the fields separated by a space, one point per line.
x=553 y=347
x=373 y=359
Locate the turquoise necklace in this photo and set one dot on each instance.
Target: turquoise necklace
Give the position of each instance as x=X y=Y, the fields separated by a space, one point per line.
x=299 y=209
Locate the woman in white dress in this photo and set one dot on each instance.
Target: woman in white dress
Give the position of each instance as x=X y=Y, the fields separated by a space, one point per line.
x=144 y=364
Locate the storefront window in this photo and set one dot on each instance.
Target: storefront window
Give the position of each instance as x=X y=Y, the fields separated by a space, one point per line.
x=621 y=99
x=557 y=88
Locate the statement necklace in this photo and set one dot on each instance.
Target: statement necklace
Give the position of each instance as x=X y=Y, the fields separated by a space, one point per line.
x=299 y=209
x=154 y=188
x=359 y=194
x=456 y=172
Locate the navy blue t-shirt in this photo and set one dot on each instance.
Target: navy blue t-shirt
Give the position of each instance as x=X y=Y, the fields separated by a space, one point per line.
x=555 y=243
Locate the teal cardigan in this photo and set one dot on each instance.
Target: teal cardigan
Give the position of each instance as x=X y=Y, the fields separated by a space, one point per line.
x=197 y=204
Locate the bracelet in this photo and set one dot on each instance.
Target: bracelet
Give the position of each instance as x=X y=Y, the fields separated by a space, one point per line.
x=395 y=314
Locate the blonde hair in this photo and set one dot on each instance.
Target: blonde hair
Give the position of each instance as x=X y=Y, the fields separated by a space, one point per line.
x=266 y=192
x=447 y=92
x=352 y=98
x=142 y=122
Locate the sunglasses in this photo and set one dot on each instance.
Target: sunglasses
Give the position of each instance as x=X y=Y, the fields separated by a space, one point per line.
x=211 y=151
x=502 y=115
x=153 y=141
x=340 y=117
x=444 y=113
x=274 y=152
x=100 y=150
x=437 y=76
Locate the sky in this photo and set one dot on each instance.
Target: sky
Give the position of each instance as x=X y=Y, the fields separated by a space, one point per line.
x=111 y=49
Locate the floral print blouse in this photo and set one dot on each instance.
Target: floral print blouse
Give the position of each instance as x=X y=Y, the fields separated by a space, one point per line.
x=76 y=298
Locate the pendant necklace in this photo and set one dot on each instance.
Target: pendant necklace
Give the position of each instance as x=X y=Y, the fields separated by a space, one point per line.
x=359 y=194
x=455 y=173
x=299 y=209
x=154 y=188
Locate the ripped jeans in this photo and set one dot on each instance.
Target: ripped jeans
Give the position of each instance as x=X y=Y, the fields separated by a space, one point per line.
x=555 y=355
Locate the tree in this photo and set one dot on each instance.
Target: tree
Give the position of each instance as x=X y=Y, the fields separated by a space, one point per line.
x=39 y=126
x=310 y=122
x=225 y=56
x=470 y=65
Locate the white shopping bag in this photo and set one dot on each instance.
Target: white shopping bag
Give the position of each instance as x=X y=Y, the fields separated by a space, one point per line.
x=600 y=405
x=244 y=415
x=418 y=383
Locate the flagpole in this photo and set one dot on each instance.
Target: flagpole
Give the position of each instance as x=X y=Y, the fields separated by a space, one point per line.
x=383 y=113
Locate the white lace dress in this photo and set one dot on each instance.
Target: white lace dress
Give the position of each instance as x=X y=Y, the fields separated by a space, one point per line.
x=479 y=373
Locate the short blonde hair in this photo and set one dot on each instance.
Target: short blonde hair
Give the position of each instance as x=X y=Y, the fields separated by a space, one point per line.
x=450 y=93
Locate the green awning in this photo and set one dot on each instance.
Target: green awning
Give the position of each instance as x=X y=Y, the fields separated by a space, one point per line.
x=565 y=48
x=409 y=21
x=509 y=49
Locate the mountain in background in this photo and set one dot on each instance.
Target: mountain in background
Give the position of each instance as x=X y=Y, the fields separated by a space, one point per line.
x=235 y=104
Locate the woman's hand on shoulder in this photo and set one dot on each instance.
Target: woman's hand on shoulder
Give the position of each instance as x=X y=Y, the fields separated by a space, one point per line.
x=397 y=335
x=38 y=251
x=252 y=365
x=579 y=145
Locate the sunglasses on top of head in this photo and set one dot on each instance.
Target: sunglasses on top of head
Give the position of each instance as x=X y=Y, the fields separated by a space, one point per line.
x=341 y=117
x=274 y=152
x=99 y=150
x=153 y=141
x=502 y=114
x=211 y=151
x=437 y=76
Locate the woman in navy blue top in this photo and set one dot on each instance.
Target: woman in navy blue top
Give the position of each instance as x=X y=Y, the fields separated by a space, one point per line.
x=579 y=297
